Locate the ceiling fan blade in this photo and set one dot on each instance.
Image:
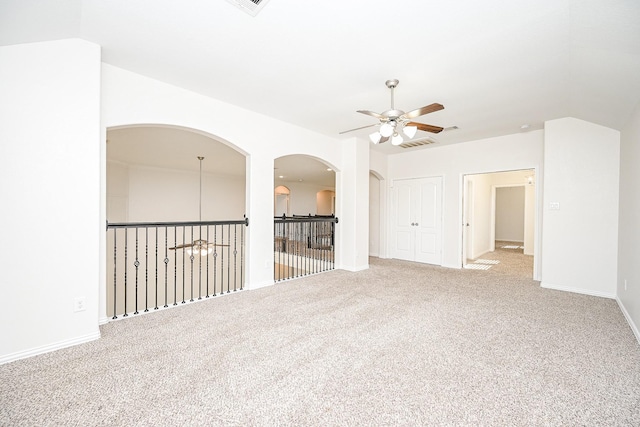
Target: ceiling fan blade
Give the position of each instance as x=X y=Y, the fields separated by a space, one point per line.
x=186 y=245
x=372 y=114
x=195 y=244
x=425 y=127
x=363 y=127
x=422 y=111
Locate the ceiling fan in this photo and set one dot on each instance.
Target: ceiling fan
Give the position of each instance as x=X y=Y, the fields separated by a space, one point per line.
x=199 y=246
x=393 y=121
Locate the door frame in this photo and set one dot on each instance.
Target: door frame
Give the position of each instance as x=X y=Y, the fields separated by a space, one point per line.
x=537 y=221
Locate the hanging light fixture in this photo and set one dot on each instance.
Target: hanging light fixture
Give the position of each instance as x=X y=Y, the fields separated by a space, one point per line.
x=410 y=131
x=375 y=137
x=396 y=139
x=200 y=247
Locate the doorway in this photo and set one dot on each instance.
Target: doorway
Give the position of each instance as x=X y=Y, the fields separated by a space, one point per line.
x=498 y=206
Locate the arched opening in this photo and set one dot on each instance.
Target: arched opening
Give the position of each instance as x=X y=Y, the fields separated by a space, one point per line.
x=305 y=177
x=175 y=203
x=304 y=237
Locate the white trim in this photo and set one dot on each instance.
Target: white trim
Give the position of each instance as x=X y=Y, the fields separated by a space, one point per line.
x=104 y=320
x=49 y=348
x=577 y=290
x=254 y=286
x=356 y=269
x=627 y=316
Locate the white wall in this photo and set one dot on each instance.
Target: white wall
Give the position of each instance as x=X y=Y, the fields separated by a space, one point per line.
x=629 y=230
x=510 y=214
x=172 y=195
x=353 y=210
x=580 y=238
x=303 y=197
x=50 y=175
x=481 y=214
x=510 y=152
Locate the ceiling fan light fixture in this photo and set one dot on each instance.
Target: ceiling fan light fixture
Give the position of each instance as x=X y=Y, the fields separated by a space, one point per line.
x=375 y=137
x=396 y=139
x=410 y=131
x=386 y=129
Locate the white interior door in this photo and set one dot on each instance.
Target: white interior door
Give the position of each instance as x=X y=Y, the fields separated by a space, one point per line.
x=417 y=220
x=403 y=229
x=428 y=221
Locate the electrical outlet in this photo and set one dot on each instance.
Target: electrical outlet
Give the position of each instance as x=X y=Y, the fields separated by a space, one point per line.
x=79 y=304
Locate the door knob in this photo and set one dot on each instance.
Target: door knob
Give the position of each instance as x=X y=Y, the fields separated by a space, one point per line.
x=416 y=224
x=412 y=224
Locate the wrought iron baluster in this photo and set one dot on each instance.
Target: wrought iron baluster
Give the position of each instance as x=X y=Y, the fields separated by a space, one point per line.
x=215 y=258
x=146 y=269
x=229 y=259
x=175 y=266
x=222 y=261
x=205 y=248
x=166 y=265
x=136 y=265
x=235 y=257
x=242 y=257
x=207 y=268
x=126 y=248
x=156 y=306
x=191 y=257
x=184 y=231
x=115 y=273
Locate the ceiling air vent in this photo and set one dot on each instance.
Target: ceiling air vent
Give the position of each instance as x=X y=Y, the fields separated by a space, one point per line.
x=252 y=7
x=417 y=143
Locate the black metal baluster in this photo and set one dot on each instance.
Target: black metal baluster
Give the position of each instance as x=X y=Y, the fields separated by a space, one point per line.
x=166 y=265
x=235 y=257
x=242 y=256
x=136 y=264
x=215 y=258
x=204 y=248
x=229 y=258
x=207 y=268
x=126 y=249
x=115 y=272
x=183 y=261
x=222 y=261
x=175 y=266
x=146 y=269
x=156 y=306
x=191 y=257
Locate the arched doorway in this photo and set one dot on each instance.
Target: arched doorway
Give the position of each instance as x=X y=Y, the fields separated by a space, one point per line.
x=304 y=237
x=175 y=203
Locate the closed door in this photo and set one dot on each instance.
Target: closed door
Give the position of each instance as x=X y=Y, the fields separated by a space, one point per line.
x=417 y=219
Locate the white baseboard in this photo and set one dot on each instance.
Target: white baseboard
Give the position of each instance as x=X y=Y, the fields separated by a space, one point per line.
x=48 y=348
x=577 y=290
x=104 y=320
x=633 y=326
x=356 y=269
x=254 y=286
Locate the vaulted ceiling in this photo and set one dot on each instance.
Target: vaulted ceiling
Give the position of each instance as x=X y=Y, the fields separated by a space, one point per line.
x=495 y=64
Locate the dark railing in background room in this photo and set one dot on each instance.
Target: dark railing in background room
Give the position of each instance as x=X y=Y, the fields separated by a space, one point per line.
x=303 y=245
x=157 y=265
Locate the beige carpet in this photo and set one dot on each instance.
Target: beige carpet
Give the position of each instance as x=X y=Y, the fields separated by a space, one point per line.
x=398 y=344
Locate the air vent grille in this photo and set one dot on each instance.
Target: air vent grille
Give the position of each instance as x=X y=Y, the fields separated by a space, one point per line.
x=417 y=143
x=252 y=7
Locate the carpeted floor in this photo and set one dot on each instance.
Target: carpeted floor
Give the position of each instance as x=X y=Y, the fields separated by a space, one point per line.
x=399 y=344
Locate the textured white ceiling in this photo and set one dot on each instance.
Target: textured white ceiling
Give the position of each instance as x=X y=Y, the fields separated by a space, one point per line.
x=494 y=65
